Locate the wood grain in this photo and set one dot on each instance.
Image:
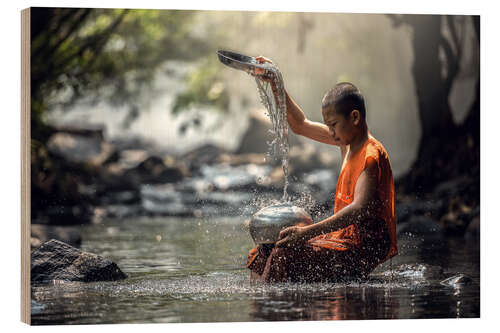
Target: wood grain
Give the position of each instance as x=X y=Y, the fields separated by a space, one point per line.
x=25 y=167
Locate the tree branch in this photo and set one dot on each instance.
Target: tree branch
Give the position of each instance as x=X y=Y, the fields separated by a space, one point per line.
x=104 y=37
x=96 y=42
x=71 y=30
x=47 y=49
x=100 y=42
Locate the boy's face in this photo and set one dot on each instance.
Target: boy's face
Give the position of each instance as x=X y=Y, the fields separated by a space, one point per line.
x=342 y=128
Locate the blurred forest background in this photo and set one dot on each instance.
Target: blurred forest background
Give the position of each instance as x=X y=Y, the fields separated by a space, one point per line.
x=133 y=114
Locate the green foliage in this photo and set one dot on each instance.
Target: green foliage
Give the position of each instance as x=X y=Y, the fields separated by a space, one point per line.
x=103 y=54
x=204 y=87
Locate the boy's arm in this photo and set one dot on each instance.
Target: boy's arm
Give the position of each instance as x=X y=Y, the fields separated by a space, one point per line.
x=364 y=206
x=297 y=120
x=300 y=125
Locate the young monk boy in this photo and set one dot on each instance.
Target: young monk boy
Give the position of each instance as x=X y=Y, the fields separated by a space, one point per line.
x=361 y=233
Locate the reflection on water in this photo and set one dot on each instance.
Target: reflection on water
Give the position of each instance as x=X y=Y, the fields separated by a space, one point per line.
x=191 y=270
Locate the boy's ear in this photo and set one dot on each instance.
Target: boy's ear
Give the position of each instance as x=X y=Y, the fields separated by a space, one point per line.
x=355 y=116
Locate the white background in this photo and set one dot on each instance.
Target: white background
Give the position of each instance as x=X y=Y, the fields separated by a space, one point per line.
x=10 y=161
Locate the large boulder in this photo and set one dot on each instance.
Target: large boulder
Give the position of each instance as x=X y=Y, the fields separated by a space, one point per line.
x=419 y=226
x=459 y=216
x=257 y=134
x=207 y=154
x=55 y=260
x=82 y=129
x=306 y=157
x=474 y=228
x=406 y=209
x=81 y=149
x=154 y=170
x=255 y=138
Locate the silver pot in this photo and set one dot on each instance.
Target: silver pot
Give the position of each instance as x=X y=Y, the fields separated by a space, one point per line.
x=239 y=61
x=266 y=224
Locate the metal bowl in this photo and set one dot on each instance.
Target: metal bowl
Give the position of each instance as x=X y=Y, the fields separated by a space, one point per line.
x=240 y=61
x=266 y=224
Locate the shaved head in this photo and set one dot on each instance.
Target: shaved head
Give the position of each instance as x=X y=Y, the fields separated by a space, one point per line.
x=344 y=98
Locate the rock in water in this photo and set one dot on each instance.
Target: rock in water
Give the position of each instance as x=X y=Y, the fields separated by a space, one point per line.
x=80 y=149
x=458 y=281
x=153 y=170
x=55 y=260
x=419 y=225
x=417 y=271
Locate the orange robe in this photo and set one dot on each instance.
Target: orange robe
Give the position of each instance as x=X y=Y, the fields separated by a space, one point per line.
x=348 y=251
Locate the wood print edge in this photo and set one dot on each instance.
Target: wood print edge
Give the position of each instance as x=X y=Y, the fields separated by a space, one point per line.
x=25 y=166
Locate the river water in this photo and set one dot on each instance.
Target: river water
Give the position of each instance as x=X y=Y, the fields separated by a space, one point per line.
x=192 y=270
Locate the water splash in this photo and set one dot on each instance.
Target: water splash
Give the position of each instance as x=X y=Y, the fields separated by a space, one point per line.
x=275 y=105
x=219 y=285
x=303 y=199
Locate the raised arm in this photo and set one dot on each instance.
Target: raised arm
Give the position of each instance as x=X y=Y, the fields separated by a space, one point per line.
x=297 y=120
x=300 y=125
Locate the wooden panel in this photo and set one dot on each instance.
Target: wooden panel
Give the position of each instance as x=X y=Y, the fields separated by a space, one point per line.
x=25 y=167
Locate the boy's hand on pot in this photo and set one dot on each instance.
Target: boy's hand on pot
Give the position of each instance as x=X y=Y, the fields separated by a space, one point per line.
x=291 y=236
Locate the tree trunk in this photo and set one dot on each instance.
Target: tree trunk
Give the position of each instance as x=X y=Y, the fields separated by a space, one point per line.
x=434 y=109
x=433 y=76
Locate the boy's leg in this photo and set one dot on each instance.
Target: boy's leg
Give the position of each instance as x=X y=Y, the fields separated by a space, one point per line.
x=257 y=259
x=271 y=264
x=281 y=265
x=375 y=244
x=311 y=263
x=328 y=265
x=304 y=264
x=254 y=277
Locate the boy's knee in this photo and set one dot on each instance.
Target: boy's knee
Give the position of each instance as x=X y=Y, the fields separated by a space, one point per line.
x=283 y=255
x=282 y=252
